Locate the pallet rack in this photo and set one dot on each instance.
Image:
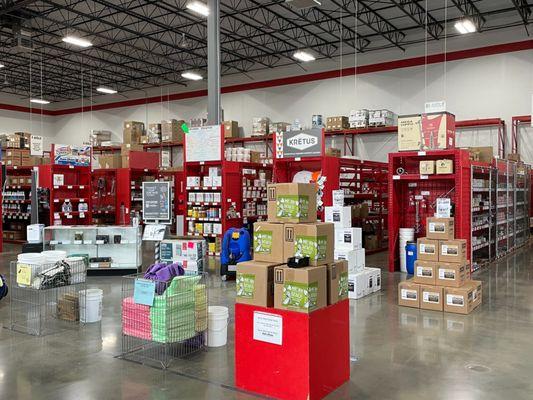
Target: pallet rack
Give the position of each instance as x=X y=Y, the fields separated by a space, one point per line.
x=76 y=189
x=16 y=203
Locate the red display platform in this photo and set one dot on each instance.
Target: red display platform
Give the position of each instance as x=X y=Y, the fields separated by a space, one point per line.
x=312 y=361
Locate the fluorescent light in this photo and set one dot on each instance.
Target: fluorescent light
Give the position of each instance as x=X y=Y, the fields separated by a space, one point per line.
x=465 y=26
x=2 y=65
x=304 y=56
x=198 y=7
x=193 y=76
x=76 y=41
x=106 y=90
x=39 y=101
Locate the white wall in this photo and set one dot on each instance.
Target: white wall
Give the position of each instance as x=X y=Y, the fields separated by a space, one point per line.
x=485 y=87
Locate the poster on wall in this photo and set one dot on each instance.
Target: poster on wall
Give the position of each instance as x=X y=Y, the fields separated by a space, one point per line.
x=165 y=158
x=156 y=201
x=36 y=145
x=72 y=155
x=203 y=144
x=306 y=143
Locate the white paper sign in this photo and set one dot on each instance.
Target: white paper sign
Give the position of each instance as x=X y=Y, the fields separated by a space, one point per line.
x=435 y=106
x=203 y=144
x=36 y=145
x=268 y=327
x=444 y=207
x=165 y=158
x=154 y=232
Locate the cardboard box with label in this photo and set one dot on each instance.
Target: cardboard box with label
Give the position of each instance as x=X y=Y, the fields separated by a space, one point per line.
x=337 y=282
x=376 y=278
x=409 y=294
x=340 y=216
x=425 y=272
x=127 y=147
x=315 y=241
x=255 y=283
x=409 y=132
x=337 y=123
x=464 y=299
x=438 y=131
x=431 y=297
x=132 y=132
x=357 y=284
x=231 y=129
x=300 y=289
x=110 y=161
x=172 y=131
x=440 y=228
x=291 y=202
x=355 y=259
x=348 y=238
x=427 y=167
x=427 y=249
x=444 y=167
x=451 y=274
x=268 y=242
x=453 y=251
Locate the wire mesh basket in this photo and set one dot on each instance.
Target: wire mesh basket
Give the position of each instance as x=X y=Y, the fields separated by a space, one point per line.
x=174 y=326
x=43 y=299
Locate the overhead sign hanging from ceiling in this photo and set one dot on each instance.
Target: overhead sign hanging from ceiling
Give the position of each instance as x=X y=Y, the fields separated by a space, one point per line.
x=306 y=143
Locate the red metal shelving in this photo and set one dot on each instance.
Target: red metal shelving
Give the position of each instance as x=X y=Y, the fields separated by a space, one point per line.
x=15 y=213
x=129 y=185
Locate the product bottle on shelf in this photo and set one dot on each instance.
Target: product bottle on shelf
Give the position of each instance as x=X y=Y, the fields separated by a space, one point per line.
x=122 y=216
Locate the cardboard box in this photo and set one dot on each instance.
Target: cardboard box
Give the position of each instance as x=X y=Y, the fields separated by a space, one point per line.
x=254 y=283
x=340 y=216
x=337 y=281
x=371 y=242
x=427 y=249
x=31 y=161
x=409 y=294
x=127 y=147
x=141 y=159
x=268 y=242
x=110 y=161
x=355 y=258
x=453 y=251
x=444 y=167
x=440 y=228
x=357 y=285
x=431 y=297
x=337 y=123
x=425 y=272
x=231 y=129
x=172 y=131
x=483 y=154
x=132 y=132
x=451 y=274
x=427 y=167
x=375 y=284
x=438 y=131
x=409 y=132
x=348 y=238
x=300 y=289
x=462 y=300
x=315 y=241
x=513 y=157
x=333 y=152
x=291 y=202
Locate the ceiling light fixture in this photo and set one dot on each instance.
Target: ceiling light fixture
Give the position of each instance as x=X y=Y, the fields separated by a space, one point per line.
x=106 y=90
x=198 y=7
x=304 y=56
x=465 y=26
x=76 y=41
x=193 y=76
x=39 y=101
x=2 y=65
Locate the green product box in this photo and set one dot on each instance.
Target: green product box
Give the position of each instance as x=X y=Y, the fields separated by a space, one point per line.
x=316 y=241
x=300 y=289
x=268 y=242
x=291 y=202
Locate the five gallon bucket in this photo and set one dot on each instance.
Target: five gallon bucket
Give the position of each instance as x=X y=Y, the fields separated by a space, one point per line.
x=53 y=256
x=410 y=257
x=35 y=261
x=217 y=326
x=406 y=235
x=91 y=305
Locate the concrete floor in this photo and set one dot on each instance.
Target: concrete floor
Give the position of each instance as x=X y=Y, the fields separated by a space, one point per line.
x=398 y=353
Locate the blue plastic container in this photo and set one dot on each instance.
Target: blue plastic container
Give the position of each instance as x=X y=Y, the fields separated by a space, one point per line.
x=410 y=257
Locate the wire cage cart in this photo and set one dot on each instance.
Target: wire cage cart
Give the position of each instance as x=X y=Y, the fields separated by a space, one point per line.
x=45 y=298
x=174 y=326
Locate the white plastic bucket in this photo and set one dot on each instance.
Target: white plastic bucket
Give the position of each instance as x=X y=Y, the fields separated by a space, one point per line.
x=406 y=235
x=30 y=258
x=53 y=256
x=91 y=305
x=217 y=326
x=35 y=261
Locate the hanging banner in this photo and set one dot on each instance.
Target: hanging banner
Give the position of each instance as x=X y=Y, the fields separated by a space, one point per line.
x=36 y=145
x=306 y=143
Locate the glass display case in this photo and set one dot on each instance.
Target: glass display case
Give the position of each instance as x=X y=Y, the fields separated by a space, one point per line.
x=106 y=247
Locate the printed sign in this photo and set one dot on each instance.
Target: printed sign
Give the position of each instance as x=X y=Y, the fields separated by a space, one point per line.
x=306 y=143
x=156 y=201
x=144 y=292
x=72 y=155
x=203 y=144
x=165 y=158
x=23 y=275
x=268 y=328
x=435 y=106
x=154 y=232
x=36 y=145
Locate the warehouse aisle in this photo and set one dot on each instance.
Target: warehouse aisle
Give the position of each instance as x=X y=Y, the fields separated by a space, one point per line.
x=398 y=353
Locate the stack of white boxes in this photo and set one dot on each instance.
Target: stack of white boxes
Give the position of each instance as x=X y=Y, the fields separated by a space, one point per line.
x=348 y=246
x=191 y=254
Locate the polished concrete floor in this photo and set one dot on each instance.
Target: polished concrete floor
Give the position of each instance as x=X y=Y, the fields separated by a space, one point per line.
x=397 y=353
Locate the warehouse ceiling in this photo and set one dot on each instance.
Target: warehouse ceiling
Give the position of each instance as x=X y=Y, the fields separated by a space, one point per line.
x=138 y=44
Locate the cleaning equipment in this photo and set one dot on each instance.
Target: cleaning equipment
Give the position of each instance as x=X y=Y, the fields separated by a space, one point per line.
x=217 y=326
x=410 y=257
x=236 y=245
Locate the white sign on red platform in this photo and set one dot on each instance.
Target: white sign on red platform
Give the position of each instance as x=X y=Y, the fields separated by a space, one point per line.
x=268 y=327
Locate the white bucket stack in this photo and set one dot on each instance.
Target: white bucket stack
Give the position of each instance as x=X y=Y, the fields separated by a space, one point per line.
x=91 y=305
x=217 y=326
x=53 y=256
x=406 y=235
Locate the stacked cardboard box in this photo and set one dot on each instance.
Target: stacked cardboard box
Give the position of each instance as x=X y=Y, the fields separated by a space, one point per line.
x=337 y=123
x=433 y=131
x=172 y=131
x=132 y=132
x=441 y=279
x=260 y=126
x=292 y=231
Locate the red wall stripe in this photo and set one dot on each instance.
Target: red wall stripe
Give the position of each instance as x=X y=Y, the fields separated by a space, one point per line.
x=365 y=69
